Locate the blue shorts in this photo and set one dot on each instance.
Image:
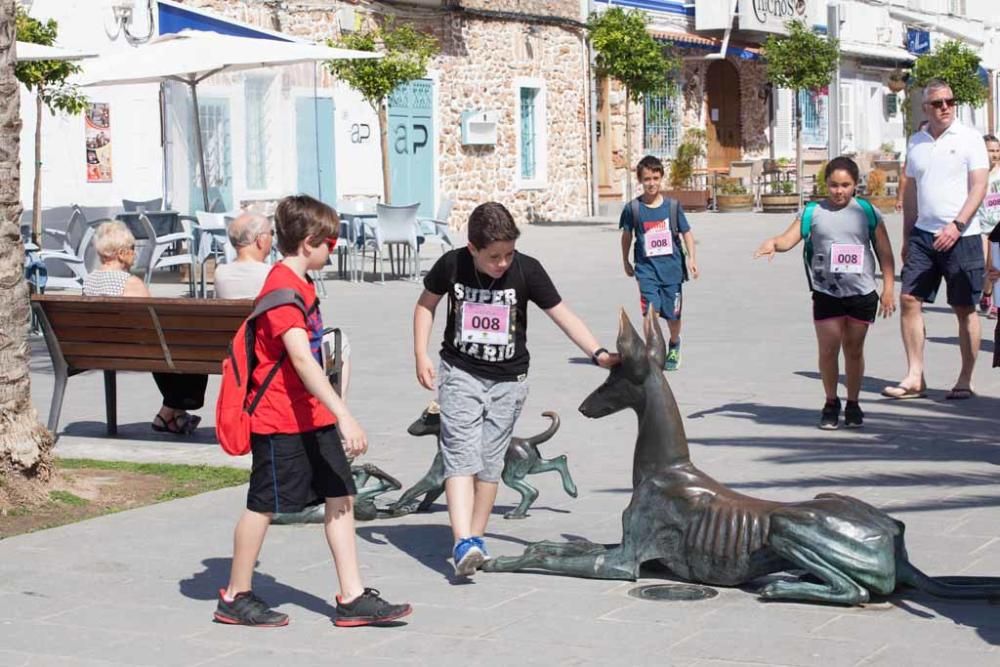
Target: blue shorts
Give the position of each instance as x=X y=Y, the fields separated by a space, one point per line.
x=665 y=299
x=961 y=267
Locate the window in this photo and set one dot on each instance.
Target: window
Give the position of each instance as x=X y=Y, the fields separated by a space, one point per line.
x=813 y=107
x=956 y=7
x=847 y=141
x=662 y=124
x=255 y=98
x=531 y=136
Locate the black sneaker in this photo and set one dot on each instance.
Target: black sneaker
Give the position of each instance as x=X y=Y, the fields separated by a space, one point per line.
x=853 y=416
x=248 y=609
x=830 y=418
x=368 y=609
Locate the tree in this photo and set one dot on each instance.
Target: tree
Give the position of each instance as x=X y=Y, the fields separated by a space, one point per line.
x=627 y=53
x=25 y=445
x=47 y=78
x=957 y=65
x=800 y=60
x=405 y=55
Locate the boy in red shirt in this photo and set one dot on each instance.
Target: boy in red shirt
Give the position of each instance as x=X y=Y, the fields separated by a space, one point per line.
x=302 y=432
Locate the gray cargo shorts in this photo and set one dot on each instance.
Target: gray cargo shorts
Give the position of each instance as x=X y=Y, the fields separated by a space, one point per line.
x=477 y=421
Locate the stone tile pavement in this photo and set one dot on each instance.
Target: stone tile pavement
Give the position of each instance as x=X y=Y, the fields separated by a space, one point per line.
x=137 y=588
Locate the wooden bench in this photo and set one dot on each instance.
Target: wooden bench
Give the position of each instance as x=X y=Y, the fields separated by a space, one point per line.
x=112 y=334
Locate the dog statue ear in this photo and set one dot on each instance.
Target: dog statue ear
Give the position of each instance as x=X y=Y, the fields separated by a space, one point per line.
x=656 y=349
x=631 y=349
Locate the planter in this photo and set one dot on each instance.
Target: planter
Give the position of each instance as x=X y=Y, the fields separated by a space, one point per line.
x=779 y=203
x=690 y=200
x=883 y=203
x=731 y=203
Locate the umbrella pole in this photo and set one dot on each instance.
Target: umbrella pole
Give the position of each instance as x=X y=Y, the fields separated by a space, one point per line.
x=201 y=148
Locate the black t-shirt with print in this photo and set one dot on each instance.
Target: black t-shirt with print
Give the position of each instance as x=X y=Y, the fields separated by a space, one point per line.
x=487 y=329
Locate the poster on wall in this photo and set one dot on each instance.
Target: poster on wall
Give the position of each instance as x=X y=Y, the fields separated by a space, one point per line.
x=98 y=136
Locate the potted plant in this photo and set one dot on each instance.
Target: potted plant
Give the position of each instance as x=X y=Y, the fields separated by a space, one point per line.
x=876 y=192
x=732 y=196
x=689 y=152
x=888 y=151
x=781 y=199
x=897 y=80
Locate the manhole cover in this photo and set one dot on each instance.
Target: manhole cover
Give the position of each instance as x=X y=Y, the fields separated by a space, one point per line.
x=672 y=592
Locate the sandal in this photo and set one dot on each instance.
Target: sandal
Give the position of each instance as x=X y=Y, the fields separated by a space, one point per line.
x=900 y=392
x=959 y=394
x=179 y=424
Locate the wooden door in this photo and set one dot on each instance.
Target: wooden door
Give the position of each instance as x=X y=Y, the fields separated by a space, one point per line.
x=723 y=126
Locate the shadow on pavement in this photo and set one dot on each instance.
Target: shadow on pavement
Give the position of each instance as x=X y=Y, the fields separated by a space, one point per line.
x=985 y=346
x=205 y=585
x=203 y=435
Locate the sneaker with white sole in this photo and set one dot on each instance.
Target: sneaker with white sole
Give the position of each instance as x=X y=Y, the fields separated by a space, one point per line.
x=468 y=556
x=673 y=360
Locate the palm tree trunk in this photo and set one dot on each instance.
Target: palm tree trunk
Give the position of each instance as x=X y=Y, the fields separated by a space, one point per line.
x=383 y=130
x=25 y=445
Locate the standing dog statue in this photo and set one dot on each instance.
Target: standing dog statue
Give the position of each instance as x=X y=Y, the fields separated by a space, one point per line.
x=705 y=532
x=522 y=459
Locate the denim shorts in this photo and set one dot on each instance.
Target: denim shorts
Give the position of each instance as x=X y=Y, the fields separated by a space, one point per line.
x=477 y=421
x=961 y=266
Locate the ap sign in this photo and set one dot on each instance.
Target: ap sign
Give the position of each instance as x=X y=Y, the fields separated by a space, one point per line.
x=771 y=15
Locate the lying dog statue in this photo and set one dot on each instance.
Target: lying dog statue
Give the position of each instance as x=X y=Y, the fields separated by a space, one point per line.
x=371 y=482
x=522 y=459
x=705 y=532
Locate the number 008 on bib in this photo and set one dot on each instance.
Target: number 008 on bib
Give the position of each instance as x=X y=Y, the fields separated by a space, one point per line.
x=485 y=323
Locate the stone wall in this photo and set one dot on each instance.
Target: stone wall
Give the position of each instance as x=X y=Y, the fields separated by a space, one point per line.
x=479 y=61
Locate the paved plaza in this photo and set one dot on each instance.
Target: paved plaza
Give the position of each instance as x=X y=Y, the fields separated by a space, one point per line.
x=139 y=587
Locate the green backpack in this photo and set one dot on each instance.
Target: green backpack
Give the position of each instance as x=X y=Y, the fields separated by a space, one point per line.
x=805 y=228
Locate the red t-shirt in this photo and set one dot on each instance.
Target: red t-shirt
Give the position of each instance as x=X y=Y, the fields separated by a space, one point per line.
x=287 y=406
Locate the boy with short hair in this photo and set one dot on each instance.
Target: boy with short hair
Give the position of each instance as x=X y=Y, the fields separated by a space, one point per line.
x=482 y=378
x=664 y=251
x=300 y=431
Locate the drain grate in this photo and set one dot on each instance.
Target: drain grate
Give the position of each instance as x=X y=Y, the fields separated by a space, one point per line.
x=673 y=592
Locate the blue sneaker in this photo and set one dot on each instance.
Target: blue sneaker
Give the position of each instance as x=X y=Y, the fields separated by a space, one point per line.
x=468 y=556
x=482 y=547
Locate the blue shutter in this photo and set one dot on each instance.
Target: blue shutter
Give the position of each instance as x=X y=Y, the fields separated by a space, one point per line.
x=528 y=128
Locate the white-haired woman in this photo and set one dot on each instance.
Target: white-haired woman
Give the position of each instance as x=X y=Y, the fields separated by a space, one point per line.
x=181 y=392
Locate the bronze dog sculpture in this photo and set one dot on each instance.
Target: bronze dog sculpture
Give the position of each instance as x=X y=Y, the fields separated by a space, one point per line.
x=705 y=532
x=522 y=459
x=371 y=482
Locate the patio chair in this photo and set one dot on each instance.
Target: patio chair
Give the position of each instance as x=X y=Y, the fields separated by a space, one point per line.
x=71 y=238
x=212 y=241
x=58 y=263
x=435 y=230
x=160 y=253
x=131 y=205
x=394 y=226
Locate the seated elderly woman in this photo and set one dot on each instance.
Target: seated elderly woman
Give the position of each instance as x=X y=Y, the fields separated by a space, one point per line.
x=181 y=392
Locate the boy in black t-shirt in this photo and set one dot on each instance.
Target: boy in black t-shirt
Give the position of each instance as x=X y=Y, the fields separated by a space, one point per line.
x=482 y=378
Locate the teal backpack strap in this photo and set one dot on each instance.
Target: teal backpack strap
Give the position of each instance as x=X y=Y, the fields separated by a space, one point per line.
x=869 y=210
x=805 y=228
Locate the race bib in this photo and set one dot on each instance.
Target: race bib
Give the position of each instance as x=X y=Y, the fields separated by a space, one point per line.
x=659 y=242
x=485 y=323
x=847 y=258
x=992 y=201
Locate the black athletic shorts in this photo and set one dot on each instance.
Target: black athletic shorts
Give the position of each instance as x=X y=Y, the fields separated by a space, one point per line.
x=962 y=268
x=292 y=471
x=861 y=308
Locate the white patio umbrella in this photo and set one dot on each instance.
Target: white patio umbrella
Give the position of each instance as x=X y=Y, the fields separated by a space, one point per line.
x=28 y=51
x=191 y=56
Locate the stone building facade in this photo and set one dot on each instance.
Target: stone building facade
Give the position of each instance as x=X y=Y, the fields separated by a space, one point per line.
x=525 y=60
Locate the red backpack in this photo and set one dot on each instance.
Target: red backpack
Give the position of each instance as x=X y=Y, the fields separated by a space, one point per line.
x=232 y=414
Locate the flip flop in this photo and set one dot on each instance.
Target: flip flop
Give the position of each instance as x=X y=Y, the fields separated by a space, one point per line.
x=958 y=394
x=899 y=392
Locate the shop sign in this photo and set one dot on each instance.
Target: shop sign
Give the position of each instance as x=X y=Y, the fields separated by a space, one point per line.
x=918 y=42
x=772 y=15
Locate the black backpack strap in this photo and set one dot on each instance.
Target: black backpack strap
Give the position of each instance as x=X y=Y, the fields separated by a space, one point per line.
x=674 y=212
x=634 y=210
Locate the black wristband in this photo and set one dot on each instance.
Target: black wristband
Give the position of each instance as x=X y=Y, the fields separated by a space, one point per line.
x=960 y=226
x=597 y=354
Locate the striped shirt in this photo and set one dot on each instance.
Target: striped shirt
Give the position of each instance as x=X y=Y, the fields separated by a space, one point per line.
x=105 y=282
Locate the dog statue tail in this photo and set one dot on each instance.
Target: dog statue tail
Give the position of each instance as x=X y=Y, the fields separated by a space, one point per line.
x=547 y=433
x=956 y=588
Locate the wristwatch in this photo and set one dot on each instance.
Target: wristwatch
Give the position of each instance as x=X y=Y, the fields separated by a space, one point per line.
x=597 y=355
x=960 y=226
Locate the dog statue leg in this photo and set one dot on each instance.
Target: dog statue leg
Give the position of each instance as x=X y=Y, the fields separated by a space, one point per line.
x=559 y=464
x=529 y=494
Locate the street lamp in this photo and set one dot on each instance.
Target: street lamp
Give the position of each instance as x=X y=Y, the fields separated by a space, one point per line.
x=123 y=11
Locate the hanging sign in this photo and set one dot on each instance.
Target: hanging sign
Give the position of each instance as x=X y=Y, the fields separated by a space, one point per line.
x=98 y=137
x=772 y=15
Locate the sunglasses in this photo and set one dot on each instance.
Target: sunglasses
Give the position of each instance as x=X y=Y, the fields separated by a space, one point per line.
x=331 y=243
x=941 y=104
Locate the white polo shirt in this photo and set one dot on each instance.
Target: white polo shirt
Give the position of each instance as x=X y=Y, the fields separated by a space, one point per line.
x=941 y=169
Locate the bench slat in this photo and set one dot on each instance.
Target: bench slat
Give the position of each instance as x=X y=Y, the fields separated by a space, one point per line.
x=115 y=335
x=114 y=351
x=142 y=320
x=152 y=365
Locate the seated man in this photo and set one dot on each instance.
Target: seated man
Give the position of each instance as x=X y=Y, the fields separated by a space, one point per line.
x=252 y=236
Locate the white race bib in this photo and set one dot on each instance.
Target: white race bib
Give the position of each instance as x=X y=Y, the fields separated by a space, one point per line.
x=659 y=242
x=847 y=258
x=485 y=323
x=992 y=201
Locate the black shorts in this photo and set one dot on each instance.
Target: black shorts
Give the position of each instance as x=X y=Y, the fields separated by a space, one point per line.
x=861 y=308
x=961 y=267
x=292 y=471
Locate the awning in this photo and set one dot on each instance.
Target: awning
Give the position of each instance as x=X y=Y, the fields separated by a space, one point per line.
x=173 y=18
x=739 y=50
x=881 y=54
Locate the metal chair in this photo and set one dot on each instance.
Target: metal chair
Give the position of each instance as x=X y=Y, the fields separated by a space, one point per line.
x=436 y=230
x=76 y=264
x=212 y=242
x=159 y=253
x=132 y=205
x=394 y=226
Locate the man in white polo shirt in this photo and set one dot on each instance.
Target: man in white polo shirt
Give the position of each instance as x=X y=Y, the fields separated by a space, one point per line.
x=947 y=167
